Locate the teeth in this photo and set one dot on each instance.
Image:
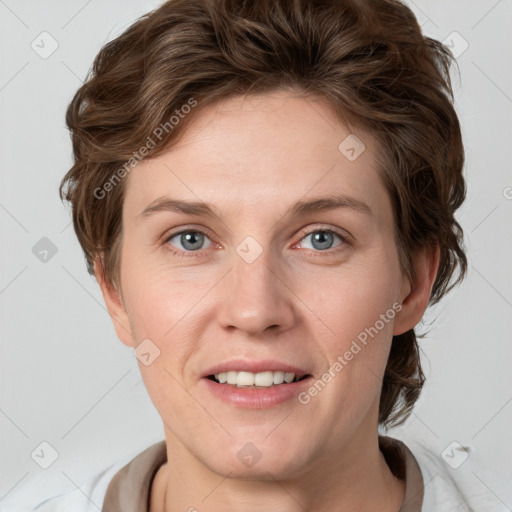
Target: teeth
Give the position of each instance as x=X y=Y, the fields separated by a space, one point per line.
x=245 y=379
x=231 y=377
x=260 y=380
x=288 y=377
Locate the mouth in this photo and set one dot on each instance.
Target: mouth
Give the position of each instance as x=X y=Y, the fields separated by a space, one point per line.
x=257 y=385
x=260 y=380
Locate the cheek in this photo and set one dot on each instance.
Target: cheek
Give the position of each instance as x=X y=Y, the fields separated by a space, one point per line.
x=157 y=299
x=350 y=300
x=358 y=304
x=360 y=312
x=162 y=309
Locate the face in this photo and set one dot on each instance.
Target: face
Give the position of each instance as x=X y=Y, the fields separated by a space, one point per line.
x=292 y=270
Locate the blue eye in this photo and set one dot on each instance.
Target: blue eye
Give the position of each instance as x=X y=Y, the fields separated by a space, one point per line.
x=190 y=240
x=323 y=239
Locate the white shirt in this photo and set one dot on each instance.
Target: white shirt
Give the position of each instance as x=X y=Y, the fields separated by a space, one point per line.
x=448 y=483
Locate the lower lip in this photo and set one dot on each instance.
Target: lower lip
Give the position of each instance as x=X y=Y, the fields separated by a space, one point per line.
x=257 y=398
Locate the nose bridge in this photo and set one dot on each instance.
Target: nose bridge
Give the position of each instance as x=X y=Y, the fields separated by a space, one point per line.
x=255 y=297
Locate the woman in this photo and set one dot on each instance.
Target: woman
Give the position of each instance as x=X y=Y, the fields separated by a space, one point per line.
x=265 y=192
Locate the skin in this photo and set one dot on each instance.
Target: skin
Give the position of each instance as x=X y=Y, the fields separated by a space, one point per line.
x=252 y=157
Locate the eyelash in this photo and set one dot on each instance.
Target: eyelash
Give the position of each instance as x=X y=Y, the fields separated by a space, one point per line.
x=303 y=234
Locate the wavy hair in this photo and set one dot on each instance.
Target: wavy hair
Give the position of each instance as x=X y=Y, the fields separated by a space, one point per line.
x=367 y=59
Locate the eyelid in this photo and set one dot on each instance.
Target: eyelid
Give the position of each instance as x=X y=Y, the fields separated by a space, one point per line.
x=187 y=229
x=344 y=236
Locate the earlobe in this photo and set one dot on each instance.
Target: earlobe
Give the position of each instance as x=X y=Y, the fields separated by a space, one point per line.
x=115 y=306
x=419 y=289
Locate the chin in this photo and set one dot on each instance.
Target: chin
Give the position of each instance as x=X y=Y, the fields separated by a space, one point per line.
x=260 y=460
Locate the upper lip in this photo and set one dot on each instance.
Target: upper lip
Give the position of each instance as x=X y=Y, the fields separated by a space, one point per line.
x=242 y=365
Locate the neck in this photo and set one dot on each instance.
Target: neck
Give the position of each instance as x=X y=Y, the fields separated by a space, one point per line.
x=354 y=478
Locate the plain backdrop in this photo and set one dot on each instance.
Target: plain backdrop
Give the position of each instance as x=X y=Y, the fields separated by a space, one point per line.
x=66 y=380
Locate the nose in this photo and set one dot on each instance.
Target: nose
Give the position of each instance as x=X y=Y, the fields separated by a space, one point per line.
x=255 y=297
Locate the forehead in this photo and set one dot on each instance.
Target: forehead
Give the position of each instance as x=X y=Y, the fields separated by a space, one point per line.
x=264 y=150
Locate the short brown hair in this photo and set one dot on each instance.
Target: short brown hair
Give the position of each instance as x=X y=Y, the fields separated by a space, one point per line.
x=367 y=59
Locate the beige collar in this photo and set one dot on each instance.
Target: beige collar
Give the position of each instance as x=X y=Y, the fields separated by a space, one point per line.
x=129 y=489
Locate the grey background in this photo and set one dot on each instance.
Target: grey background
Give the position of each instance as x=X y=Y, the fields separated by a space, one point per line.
x=66 y=380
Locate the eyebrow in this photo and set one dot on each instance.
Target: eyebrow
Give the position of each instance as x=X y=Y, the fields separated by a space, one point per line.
x=300 y=208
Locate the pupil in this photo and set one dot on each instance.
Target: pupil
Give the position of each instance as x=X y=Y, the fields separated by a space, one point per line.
x=188 y=240
x=320 y=237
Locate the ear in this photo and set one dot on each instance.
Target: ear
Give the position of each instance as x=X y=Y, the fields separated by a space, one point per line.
x=115 y=306
x=415 y=294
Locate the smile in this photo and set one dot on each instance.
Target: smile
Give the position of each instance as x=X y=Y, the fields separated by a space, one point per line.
x=263 y=379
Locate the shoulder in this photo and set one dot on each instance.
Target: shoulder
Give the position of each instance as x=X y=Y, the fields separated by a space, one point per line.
x=126 y=481
x=454 y=480
x=88 y=497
